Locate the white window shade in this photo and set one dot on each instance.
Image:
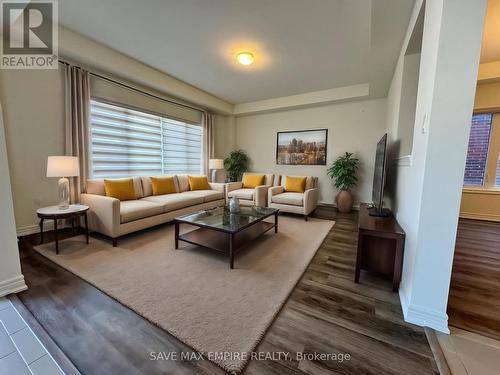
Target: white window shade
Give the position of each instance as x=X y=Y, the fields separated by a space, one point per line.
x=126 y=142
x=182 y=147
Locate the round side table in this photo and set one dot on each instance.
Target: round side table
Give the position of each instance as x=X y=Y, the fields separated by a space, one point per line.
x=55 y=213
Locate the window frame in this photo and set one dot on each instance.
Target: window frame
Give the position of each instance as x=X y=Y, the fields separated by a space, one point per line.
x=162 y=117
x=493 y=155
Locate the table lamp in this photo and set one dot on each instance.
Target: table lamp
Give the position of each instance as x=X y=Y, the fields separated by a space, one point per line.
x=64 y=167
x=214 y=165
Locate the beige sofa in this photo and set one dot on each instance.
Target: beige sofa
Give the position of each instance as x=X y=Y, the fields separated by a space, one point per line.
x=252 y=197
x=297 y=203
x=115 y=218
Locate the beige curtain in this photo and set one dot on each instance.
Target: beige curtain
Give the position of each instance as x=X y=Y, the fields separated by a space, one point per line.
x=208 y=122
x=77 y=90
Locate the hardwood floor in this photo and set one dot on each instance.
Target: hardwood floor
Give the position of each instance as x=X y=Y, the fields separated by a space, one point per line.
x=326 y=313
x=474 y=300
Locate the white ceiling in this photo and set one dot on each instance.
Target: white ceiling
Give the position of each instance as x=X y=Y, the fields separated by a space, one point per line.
x=299 y=45
x=491 y=37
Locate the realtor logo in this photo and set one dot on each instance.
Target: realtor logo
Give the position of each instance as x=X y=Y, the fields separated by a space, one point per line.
x=29 y=35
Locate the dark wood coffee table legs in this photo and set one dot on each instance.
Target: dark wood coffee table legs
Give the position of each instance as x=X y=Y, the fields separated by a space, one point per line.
x=176 y=235
x=276 y=222
x=231 y=250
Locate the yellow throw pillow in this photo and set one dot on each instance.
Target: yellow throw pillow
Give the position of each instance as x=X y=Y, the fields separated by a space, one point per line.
x=198 y=183
x=163 y=185
x=121 y=188
x=251 y=181
x=295 y=184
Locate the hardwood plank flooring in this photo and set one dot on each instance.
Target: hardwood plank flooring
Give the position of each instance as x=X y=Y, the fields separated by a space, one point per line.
x=326 y=313
x=474 y=299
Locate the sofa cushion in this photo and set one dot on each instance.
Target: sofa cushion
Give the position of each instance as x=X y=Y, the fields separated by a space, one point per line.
x=96 y=186
x=198 y=183
x=147 y=186
x=183 y=182
x=251 y=181
x=121 y=189
x=295 y=184
x=311 y=182
x=242 y=194
x=293 y=199
x=138 y=209
x=175 y=201
x=163 y=185
x=268 y=178
x=207 y=195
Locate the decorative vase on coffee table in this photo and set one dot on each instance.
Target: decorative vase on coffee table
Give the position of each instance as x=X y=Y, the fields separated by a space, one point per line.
x=234 y=205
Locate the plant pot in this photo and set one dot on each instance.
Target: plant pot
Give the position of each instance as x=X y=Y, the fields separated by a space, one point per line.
x=344 y=201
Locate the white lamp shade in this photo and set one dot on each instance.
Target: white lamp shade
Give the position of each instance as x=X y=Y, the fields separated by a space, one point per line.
x=62 y=166
x=216 y=164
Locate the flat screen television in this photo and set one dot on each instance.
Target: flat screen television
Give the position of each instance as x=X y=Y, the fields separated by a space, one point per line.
x=376 y=209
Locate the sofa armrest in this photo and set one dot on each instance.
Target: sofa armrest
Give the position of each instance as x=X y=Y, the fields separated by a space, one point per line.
x=275 y=190
x=260 y=196
x=230 y=186
x=218 y=186
x=104 y=214
x=310 y=200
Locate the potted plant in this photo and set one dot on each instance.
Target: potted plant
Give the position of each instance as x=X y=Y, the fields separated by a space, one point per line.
x=235 y=164
x=343 y=170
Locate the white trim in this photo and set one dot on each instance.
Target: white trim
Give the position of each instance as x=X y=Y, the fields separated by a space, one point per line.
x=421 y=315
x=47 y=226
x=355 y=207
x=12 y=285
x=404 y=161
x=481 y=190
x=479 y=216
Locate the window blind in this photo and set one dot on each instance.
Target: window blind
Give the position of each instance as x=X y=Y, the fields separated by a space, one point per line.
x=126 y=142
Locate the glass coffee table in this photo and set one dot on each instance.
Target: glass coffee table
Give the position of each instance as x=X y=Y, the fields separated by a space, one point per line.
x=226 y=232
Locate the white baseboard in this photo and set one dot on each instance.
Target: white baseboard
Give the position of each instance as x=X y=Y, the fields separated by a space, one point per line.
x=32 y=229
x=423 y=316
x=13 y=285
x=324 y=204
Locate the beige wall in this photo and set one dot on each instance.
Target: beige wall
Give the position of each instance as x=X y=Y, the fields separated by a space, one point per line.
x=480 y=204
x=487 y=96
x=225 y=136
x=353 y=127
x=34 y=129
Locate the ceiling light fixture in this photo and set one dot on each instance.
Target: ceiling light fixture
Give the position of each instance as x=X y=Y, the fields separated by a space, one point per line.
x=245 y=58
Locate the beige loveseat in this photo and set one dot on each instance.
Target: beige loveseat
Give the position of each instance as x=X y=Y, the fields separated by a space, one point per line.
x=115 y=218
x=252 y=197
x=297 y=203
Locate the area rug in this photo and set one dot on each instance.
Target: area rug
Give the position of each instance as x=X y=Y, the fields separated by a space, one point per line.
x=191 y=292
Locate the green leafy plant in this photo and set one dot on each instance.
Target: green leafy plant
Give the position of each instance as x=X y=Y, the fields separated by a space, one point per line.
x=235 y=165
x=343 y=170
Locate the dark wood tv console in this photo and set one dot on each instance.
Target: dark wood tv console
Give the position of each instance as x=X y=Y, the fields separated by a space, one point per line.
x=380 y=246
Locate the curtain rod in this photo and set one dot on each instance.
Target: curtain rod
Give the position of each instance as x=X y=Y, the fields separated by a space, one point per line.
x=132 y=88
